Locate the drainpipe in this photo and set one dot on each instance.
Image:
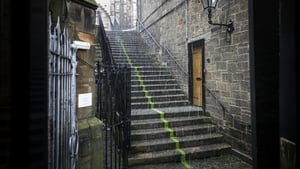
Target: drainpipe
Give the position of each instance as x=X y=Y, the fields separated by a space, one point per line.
x=74 y=137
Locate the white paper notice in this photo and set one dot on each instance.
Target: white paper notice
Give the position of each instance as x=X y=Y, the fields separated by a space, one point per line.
x=84 y=100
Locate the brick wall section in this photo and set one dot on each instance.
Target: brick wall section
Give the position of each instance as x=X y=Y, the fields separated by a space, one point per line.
x=174 y=24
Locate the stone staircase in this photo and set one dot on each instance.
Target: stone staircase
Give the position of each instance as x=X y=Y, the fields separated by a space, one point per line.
x=165 y=127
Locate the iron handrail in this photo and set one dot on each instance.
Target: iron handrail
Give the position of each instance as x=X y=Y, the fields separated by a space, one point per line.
x=185 y=73
x=217 y=99
x=161 y=47
x=105 y=45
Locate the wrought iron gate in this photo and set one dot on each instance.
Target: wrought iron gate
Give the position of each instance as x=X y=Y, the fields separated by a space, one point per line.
x=114 y=110
x=62 y=100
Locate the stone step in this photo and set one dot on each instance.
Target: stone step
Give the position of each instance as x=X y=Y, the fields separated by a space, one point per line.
x=174 y=156
x=166 y=143
x=144 y=134
x=128 y=39
x=128 y=51
x=140 y=48
x=172 y=122
x=155 y=92
x=138 y=61
x=145 y=64
x=145 y=105
x=135 y=42
x=149 y=68
x=153 y=72
x=133 y=56
x=159 y=98
x=125 y=38
x=152 y=77
x=163 y=87
x=117 y=43
x=123 y=35
x=154 y=81
x=137 y=57
x=122 y=63
x=142 y=62
x=139 y=64
x=128 y=34
x=183 y=111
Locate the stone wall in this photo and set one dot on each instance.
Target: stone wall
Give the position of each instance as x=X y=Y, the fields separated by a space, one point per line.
x=82 y=23
x=177 y=23
x=91 y=146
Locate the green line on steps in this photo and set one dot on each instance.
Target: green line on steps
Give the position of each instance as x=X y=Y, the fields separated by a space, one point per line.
x=162 y=114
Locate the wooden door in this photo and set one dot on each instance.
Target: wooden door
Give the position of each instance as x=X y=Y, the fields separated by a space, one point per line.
x=197 y=76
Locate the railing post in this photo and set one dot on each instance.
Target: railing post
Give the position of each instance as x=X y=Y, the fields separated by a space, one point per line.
x=99 y=81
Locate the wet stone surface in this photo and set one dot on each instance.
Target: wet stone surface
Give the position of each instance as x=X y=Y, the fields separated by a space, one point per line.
x=219 y=162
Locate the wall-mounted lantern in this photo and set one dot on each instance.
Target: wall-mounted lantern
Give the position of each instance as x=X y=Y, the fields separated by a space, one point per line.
x=211 y=4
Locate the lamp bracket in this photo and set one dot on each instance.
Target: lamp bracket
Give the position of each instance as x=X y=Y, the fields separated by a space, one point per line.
x=229 y=25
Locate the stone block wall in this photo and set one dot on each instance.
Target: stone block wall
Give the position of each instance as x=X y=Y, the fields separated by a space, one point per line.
x=82 y=26
x=166 y=20
x=177 y=23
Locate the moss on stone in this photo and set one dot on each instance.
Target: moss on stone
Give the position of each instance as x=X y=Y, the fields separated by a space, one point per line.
x=96 y=127
x=90 y=134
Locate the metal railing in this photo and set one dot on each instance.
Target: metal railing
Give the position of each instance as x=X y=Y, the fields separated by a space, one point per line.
x=224 y=109
x=167 y=51
x=164 y=55
x=113 y=105
x=152 y=42
x=107 y=58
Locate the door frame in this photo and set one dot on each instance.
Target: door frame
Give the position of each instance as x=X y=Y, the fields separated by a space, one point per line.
x=191 y=45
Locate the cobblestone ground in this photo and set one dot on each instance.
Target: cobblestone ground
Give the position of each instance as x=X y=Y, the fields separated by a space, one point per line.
x=220 y=162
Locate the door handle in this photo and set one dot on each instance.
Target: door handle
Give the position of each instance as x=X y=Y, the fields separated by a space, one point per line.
x=198 y=78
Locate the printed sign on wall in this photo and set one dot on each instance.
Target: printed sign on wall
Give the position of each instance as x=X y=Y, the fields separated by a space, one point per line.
x=84 y=100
